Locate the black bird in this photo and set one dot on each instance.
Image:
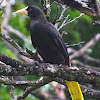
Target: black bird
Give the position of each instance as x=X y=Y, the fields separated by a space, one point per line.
x=50 y=45
x=45 y=37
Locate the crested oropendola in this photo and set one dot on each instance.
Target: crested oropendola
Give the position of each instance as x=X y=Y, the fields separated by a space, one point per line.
x=49 y=43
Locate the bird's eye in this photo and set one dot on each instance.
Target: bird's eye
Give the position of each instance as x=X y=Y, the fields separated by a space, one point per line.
x=30 y=9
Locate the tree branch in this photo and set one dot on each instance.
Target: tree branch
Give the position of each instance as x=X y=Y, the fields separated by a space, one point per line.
x=16 y=68
x=96 y=23
x=38 y=84
x=64 y=9
x=65 y=22
x=7 y=16
x=13 y=43
x=48 y=70
x=73 y=45
x=18 y=33
x=76 y=62
x=46 y=8
x=90 y=92
x=91 y=43
x=85 y=6
x=85 y=57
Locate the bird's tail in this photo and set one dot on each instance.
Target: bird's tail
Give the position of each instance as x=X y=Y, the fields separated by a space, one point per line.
x=74 y=90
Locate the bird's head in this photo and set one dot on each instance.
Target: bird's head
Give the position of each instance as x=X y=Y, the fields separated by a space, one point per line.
x=31 y=11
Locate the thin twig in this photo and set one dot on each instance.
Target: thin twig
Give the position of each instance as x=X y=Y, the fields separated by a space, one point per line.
x=12 y=89
x=6 y=81
x=7 y=16
x=88 y=58
x=59 y=20
x=57 y=13
x=79 y=63
x=13 y=43
x=64 y=9
x=91 y=43
x=96 y=23
x=19 y=34
x=12 y=92
x=28 y=90
x=63 y=33
x=35 y=55
x=65 y=22
x=82 y=14
x=73 y=45
x=46 y=8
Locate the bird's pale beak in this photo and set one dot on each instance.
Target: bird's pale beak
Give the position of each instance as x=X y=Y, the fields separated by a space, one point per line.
x=22 y=11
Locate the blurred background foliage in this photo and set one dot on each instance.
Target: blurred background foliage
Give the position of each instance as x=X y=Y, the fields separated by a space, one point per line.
x=80 y=30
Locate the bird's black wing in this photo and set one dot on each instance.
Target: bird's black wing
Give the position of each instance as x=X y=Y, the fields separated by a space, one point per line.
x=50 y=33
x=58 y=41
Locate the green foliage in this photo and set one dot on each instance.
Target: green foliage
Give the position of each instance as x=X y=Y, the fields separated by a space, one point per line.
x=4 y=92
x=5 y=50
x=21 y=21
x=31 y=98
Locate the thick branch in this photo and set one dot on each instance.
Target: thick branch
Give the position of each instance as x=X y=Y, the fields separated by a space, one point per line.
x=90 y=92
x=83 y=75
x=85 y=6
